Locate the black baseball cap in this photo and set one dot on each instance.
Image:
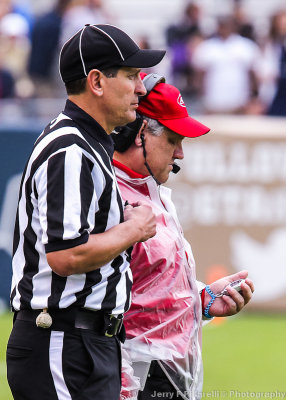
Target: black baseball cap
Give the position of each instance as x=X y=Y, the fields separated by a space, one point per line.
x=102 y=47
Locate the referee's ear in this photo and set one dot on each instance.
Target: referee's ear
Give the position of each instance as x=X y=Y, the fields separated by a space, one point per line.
x=94 y=82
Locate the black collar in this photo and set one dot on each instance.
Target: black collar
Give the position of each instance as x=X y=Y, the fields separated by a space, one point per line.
x=90 y=126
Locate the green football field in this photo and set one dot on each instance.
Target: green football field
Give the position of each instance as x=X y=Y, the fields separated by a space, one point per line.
x=244 y=357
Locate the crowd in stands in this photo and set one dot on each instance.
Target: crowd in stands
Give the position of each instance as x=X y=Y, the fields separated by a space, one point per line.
x=30 y=45
x=232 y=69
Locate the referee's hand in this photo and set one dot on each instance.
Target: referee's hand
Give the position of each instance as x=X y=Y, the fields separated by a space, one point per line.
x=144 y=219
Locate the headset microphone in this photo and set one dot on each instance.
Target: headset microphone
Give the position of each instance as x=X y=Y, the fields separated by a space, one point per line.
x=176 y=168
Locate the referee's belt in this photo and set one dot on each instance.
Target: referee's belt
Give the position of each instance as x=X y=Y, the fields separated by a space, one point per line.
x=65 y=319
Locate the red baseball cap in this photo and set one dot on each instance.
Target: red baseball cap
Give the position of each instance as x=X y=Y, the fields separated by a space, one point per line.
x=165 y=104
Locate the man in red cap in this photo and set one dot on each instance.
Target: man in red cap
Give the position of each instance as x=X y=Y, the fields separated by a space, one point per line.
x=163 y=325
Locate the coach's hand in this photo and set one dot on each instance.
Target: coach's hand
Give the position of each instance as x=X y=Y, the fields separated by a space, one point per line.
x=229 y=304
x=143 y=218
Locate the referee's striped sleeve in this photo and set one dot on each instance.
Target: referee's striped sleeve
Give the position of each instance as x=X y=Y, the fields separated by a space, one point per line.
x=68 y=197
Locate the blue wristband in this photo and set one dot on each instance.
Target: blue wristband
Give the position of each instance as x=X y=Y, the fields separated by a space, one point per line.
x=213 y=297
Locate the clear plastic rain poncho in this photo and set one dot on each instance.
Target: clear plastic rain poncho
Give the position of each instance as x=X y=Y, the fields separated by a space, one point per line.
x=164 y=321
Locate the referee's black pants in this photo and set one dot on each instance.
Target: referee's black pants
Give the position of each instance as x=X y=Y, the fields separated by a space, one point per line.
x=78 y=364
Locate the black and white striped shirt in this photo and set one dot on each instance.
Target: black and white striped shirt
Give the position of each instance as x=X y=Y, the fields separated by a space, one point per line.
x=68 y=191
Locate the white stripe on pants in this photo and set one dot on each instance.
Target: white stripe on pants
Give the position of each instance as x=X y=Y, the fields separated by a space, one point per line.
x=56 y=365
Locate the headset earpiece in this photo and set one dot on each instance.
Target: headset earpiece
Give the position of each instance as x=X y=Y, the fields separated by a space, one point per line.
x=124 y=136
x=142 y=137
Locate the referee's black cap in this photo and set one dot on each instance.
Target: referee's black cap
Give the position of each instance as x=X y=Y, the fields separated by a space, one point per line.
x=101 y=47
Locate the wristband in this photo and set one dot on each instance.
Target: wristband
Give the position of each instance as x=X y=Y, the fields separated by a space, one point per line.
x=213 y=297
x=202 y=293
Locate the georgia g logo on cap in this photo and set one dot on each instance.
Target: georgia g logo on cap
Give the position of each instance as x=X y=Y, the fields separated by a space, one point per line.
x=180 y=101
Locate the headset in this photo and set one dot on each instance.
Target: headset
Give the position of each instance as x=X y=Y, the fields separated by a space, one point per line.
x=124 y=136
x=150 y=81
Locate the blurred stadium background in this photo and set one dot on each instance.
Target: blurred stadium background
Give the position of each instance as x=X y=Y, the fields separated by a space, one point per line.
x=231 y=193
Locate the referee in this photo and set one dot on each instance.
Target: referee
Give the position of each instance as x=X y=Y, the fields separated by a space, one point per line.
x=71 y=278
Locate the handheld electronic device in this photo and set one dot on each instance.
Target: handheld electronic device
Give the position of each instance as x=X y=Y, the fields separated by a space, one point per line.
x=235 y=285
